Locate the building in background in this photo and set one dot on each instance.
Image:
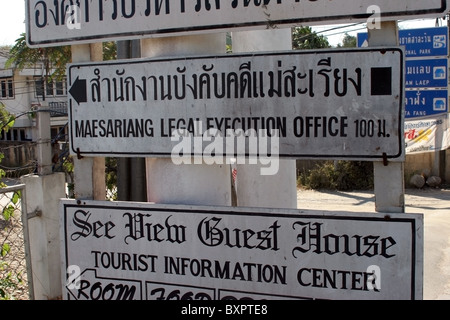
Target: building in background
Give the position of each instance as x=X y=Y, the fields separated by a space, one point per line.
x=21 y=92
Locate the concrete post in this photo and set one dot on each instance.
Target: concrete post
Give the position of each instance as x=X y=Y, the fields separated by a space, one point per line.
x=254 y=189
x=98 y=166
x=44 y=147
x=43 y=192
x=389 y=182
x=42 y=196
x=195 y=184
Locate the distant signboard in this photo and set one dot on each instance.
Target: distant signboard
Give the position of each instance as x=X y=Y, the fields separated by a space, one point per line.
x=426 y=70
x=423 y=103
x=143 y=251
x=422 y=42
x=345 y=103
x=426 y=73
x=57 y=22
x=427 y=134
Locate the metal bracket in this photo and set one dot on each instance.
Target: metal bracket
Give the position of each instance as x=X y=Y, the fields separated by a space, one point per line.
x=385 y=159
x=79 y=156
x=34 y=214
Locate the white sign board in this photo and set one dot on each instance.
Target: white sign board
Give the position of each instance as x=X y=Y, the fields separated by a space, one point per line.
x=342 y=103
x=143 y=251
x=57 y=22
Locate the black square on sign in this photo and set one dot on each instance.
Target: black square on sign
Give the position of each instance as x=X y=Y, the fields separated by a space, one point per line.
x=381 y=81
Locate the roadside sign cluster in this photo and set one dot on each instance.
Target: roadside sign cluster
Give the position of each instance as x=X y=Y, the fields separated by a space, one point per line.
x=56 y=22
x=426 y=70
x=338 y=104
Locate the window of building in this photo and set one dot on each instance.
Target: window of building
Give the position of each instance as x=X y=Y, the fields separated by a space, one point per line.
x=6 y=88
x=51 y=89
x=14 y=135
x=59 y=133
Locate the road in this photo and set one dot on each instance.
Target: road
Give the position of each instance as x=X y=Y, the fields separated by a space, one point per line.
x=434 y=204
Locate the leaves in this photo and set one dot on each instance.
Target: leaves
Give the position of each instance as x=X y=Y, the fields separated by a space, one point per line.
x=8 y=212
x=305 y=38
x=5 y=249
x=8 y=282
x=54 y=59
x=16 y=197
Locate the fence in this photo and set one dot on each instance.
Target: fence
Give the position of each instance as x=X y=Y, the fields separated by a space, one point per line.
x=15 y=270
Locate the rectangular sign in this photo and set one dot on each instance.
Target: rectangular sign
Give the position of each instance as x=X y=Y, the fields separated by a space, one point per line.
x=426 y=73
x=57 y=22
x=143 y=251
x=345 y=104
x=421 y=42
x=424 y=103
x=427 y=135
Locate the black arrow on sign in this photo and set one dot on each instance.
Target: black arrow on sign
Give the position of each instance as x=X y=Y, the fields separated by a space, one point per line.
x=78 y=91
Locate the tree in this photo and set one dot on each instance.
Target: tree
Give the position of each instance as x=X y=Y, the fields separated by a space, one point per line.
x=6 y=123
x=305 y=38
x=54 y=59
x=348 y=42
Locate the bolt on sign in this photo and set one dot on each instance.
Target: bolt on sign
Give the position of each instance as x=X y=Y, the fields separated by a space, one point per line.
x=143 y=251
x=341 y=104
x=57 y=22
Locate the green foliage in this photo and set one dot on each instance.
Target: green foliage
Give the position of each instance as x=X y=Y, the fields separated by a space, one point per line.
x=6 y=122
x=109 y=50
x=339 y=175
x=9 y=282
x=111 y=175
x=16 y=197
x=8 y=212
x=229 y=43
x=305 y=38
x=5 y=249
x=53 y=58
x=348 y=42
x=6 y=119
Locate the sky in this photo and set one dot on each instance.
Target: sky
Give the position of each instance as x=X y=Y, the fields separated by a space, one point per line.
x=336 y=33
x=12 y=21
x=12 y=24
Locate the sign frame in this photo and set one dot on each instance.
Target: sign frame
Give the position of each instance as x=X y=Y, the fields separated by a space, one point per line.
x=178 y=234
x=74 y=25
x=80 y=99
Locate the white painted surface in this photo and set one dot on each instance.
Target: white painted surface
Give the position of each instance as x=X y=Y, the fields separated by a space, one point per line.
x=389 y=184
x=322 y=103
x=186 y=183
x=217 y=252
x=49 y=24
x=252 y=188
x=43 y=194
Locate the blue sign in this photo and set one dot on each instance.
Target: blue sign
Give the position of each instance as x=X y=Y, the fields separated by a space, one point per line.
x=427 y=73
x=425 y=42
x=423 y=103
